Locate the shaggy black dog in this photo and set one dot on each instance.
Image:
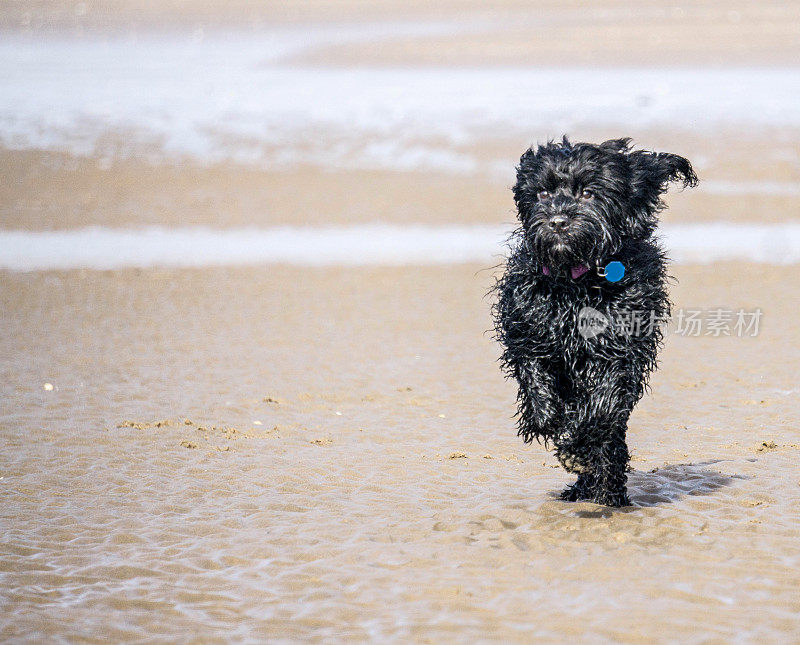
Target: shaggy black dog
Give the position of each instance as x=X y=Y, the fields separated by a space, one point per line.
x=583 y=300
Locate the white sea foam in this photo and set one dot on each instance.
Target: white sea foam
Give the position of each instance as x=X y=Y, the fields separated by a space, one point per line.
x=232 y=96
x=377 y=245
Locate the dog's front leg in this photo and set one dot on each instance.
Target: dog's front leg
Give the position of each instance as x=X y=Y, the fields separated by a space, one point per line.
x=540 y=412
x=593 y=441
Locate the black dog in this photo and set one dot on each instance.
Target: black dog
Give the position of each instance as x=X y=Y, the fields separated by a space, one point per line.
x=583 y=299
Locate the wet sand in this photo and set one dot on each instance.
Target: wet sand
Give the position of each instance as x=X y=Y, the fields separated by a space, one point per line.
x=741 y=181
x=340 y=462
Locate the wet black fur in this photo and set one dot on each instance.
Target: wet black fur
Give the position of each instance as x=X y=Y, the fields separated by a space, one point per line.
x=577 y=393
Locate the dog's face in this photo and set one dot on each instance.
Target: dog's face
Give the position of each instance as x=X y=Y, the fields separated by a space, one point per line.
x=579 y=202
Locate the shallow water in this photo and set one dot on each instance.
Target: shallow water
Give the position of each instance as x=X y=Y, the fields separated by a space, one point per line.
x=240 y=96
x=350 y=469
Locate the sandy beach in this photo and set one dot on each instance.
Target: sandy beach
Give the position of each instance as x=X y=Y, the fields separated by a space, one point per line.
x=338 y=462
x=327 y=453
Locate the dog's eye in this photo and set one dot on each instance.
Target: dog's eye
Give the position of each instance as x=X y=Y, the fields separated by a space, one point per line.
x=543 y=194
x=587 y=194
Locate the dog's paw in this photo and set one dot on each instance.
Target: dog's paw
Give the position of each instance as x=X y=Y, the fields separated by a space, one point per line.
x=546 y=428
x=545 y=420
x=572 y=463
x=570 y=455
x=581 y=490
x=607 y=498
x=575 y=493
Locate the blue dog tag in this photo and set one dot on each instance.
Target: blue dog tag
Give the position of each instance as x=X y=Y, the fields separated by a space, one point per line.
x=614 y=271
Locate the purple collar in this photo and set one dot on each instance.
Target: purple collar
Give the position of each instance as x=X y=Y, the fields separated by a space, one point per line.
x=576 y=271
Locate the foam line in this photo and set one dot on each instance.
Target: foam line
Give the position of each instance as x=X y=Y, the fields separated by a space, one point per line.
x=369 y=245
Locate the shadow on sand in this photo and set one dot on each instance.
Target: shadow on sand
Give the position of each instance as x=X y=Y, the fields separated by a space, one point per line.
x=668 y=484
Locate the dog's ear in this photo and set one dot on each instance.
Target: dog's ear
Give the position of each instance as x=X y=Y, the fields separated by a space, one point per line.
x=527 y=163
x=617 y=145
x=651 y=175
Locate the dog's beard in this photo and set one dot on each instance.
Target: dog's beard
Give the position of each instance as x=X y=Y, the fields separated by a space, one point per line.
x=587 y=240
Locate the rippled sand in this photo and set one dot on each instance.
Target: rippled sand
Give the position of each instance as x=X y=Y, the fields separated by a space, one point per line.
x=339 y=462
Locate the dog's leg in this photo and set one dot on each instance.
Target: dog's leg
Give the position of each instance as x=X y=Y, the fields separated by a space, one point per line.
x=539 y=408
x=610 y=473
x=601 y=461
x=592 y=444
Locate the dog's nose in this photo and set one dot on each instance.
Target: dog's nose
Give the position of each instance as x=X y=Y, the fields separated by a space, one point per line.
x=559 y=223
